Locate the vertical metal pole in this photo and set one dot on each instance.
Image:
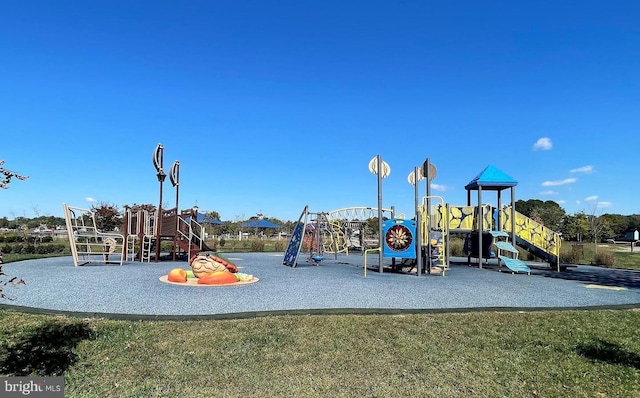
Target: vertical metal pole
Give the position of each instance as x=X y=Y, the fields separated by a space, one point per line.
x=445 y=228
x=380 y=237
x=158 y=162
x=427 y=176
x=318 y=237
x=480 y=222
x=498 y=215
x=174 y=177
x=469 y=235
x=513 y=216
x=416 y=175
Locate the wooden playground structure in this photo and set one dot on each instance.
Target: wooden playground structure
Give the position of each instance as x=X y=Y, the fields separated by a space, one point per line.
x=146 y=228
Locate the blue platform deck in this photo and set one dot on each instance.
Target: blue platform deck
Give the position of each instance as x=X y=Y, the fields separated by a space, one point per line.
x=335 y=286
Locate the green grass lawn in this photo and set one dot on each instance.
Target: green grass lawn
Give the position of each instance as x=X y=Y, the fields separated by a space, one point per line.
x=628 y=260
x=624 y=259
x=481 y=354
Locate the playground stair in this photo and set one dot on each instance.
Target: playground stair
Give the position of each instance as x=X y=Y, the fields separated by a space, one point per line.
x=190 y=234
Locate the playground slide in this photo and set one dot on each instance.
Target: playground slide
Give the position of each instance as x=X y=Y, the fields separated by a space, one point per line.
x=530 y=235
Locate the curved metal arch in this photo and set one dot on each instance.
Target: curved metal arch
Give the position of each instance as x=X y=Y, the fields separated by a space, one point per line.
x=357 y=213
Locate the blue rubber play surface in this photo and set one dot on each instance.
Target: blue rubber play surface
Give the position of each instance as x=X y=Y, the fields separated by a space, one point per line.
x=333 y=286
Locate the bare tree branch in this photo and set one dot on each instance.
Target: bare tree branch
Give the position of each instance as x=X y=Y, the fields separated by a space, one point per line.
x=7 y=175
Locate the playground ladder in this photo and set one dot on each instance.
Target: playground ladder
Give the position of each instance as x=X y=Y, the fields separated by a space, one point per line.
x=149 y=235
x=134 y=220
x=435 y=233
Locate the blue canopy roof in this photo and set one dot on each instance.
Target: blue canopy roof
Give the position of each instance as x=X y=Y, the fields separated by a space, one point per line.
x=491 y=178
x=204 y=219
x=260 y=223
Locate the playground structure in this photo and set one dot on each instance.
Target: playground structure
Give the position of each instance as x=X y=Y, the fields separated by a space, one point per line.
x=421 y=245
x=346 y=231
x=334 y=232
x=527 y=233
x=500 y=228
x=148 y=228
x=145 y=229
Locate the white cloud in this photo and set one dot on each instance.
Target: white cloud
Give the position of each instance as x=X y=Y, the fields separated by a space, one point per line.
x=90 y=199
x=592 y=198
x=548 y=193
x=438 y=187
x=561 y=201
x=559 y=182
x=543 y=144
x=583 y=169
x=604 y=204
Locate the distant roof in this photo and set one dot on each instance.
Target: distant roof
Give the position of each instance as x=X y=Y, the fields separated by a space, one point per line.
x=491 y=178
x=204 y=219
x=260 y=223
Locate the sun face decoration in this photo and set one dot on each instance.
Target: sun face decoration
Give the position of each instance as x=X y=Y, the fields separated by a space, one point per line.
x=398 y=238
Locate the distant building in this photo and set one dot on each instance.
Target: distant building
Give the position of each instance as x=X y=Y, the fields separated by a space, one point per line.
x=631 y=235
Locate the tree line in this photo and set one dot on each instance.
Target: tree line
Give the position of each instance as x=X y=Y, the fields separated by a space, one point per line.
x=573 y=227
x=581 y=226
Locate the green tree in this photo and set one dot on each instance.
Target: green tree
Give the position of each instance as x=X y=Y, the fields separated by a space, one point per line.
x=213 y=215
x=230 y=227
x=575 y=227
x=634 y=221
x=371 y=227
x=108 y=216
x=548 y=213
x=527 y=207
x=209 y=227
x=617 y=224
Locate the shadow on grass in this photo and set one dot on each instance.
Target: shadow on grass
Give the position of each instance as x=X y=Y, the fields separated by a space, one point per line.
x=46 y=350
x=603 y=351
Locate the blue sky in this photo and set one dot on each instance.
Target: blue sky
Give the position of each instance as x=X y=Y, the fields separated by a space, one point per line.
x=273 y=105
